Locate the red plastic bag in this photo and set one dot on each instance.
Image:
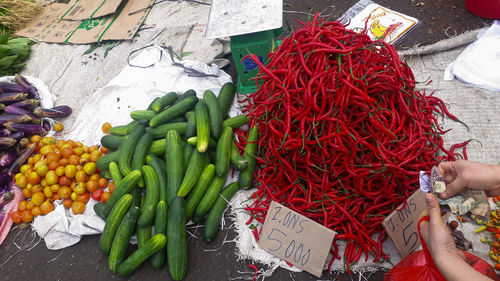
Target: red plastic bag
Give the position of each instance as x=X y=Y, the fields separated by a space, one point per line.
x=420 y=266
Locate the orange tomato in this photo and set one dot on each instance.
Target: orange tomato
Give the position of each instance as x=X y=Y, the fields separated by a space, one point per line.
x=81 y=176
x=85 y=197
x=70 y=171
x=46 y=207
x=106 y=126
x=30 y=205
x=22 y=205
x=105 y=196
x=37 y=198
x=55 y=197
x=36 y=211
x=93 y=148
x=34 y=178
x=63 y=161
x=60 y=143
x=104 y=150
x=35 y=138
x=52 y=157
x=64 y=180
x=54 y=188
x=103 y=182
x=111 y=187
x=26 y=216
x=72 y=143
x=66 y=152
x=92 y=185
x=16 y=216
x=58 y=127
x=74 y=160
x=78 y=207
x=27 y=193
x=36 y=188
x=60 y=171
x=64 y=192
x=53 y=165
x=67 y=203
x=94 y=177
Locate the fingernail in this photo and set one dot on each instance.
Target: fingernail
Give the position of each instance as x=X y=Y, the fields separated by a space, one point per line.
x=429 y=198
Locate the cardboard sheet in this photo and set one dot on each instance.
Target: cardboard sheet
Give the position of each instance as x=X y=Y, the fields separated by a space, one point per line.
x=91 y=9
x=50 y=26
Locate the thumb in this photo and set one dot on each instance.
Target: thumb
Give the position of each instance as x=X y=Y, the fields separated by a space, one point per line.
x=433 y=208
x=452 y=188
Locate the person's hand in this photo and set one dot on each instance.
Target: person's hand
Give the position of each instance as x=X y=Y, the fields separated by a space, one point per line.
x=436 y=234
x=462 y=174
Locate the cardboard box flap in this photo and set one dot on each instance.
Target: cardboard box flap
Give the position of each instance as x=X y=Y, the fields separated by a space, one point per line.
x=91 y=9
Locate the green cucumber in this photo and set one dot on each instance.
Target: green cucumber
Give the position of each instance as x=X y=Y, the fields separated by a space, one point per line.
x=187 y=152
x=125 y=186
x=179 y=119
x=208 y=199
x=175 y=110
x=161 y=131
x=103 y=161
x=196 y=164
x=136 y=193
x=173 y=157
x=223 y=152
x=143 y=235
x=128 y=147
x=214 y=113
x=151 y=198
x=194 y=142
x=187 y=94
x=140 y=152
x=237 y=160
x=202 y=126
x=158 y=166
x=194 y=197
x=124 y=129
x=115 y=173
x=226 y=97
x=122 y=239
x=161 y=217
x=236 y=122
x=155 y=244
x=215 y=214
x=158 y=147
x=164 y=101
x=99 y=210
x=112 y=142
x=177 y=244
x=142 y=114
x=191 y=124
x=247 y=175
x=113 y=221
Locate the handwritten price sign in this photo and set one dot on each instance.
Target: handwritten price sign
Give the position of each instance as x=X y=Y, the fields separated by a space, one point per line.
x=296 y=239
x=402 y=225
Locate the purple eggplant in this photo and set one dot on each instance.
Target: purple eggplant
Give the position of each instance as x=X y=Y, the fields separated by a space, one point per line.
x=55 y=112
x=5 y=178
x=29 y=129
x=32 y=91
x=12 y=97
x=6 y=87
x=17 y=136
x=21 y=159
x=4 y=132
x=7 y=142
x=6 y=158
x=14 y=118
x=10 y=109
x=46 y=125
x=27 y=104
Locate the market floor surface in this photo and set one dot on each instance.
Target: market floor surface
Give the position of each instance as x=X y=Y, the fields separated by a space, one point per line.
x=21 y=260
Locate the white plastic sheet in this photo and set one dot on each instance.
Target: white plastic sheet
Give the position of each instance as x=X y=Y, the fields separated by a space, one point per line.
x=479 y=63
x=134 y=88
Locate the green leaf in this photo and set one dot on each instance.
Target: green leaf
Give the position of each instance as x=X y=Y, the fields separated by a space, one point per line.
x=4 y=38
x=92 y=48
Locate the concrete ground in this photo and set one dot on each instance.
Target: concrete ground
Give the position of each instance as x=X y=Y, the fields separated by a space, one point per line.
x=217 y=261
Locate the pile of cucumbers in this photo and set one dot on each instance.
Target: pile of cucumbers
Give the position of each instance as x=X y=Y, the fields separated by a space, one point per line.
x=169 y=166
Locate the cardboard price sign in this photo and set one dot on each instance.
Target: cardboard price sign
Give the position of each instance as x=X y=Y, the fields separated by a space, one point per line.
x=296 y=239
x=402 y=225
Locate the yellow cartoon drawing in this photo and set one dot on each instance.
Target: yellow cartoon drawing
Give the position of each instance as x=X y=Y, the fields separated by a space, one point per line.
x=381 y=32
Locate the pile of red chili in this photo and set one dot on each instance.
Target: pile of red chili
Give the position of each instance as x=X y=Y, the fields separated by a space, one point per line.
x=343 y=133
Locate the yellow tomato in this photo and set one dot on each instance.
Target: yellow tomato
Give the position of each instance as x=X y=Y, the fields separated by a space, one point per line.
x=47 y=192
x=22 y=181
x=79 y=188
x=70 y=171
x=24 y=168
x=47 y=148
x=48 y=140
x=37 y=198
x=73 y=196
x=90 y=168
x=46 y=207
x=60 y=171
x=51 y=178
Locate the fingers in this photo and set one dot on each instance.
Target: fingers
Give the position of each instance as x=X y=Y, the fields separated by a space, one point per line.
x=452 y=188
x=433 y=209
x=493 y=193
